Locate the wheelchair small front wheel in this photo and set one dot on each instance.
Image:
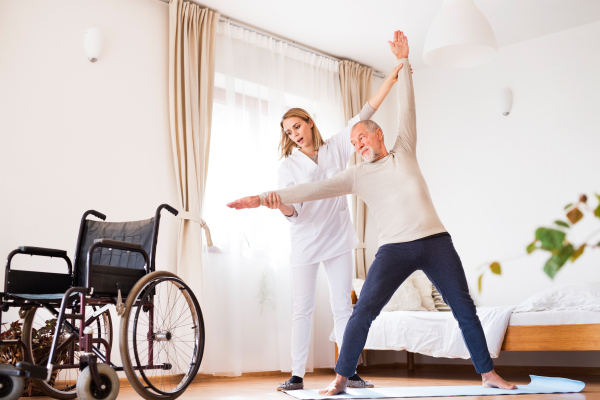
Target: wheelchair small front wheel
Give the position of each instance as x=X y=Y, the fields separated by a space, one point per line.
x=108 y=388
x=11 y=387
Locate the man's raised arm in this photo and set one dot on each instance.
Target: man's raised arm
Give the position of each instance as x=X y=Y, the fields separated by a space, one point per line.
x=338 y=185
x=407 y=120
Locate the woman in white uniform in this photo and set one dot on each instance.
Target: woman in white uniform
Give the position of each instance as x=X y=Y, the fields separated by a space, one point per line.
x=321 y=231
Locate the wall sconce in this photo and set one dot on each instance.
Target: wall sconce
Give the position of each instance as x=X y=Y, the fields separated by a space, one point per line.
x=93 y=43
x=505 y=101
x=459 y=37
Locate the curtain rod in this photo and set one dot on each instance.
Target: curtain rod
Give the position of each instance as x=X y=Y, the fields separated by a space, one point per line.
x=279 y=38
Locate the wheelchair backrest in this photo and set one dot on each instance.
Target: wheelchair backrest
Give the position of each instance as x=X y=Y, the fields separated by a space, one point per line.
x=139 y=232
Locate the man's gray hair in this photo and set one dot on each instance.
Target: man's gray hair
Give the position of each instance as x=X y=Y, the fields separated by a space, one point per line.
x=369 y=125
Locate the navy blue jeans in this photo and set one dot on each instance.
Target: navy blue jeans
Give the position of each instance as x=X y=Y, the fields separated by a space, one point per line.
x=436 y=256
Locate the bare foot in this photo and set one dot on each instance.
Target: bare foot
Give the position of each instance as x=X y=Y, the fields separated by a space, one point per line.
x=338 y=386
x=493 y=380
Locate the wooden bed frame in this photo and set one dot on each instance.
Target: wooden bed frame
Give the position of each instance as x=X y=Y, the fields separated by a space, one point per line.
x=583 y=337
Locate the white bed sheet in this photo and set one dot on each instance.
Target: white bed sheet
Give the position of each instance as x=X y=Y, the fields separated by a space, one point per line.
x=564 y=317
x=435 y=334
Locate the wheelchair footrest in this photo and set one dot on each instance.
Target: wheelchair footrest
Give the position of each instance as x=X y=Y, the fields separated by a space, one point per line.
x=33 y=371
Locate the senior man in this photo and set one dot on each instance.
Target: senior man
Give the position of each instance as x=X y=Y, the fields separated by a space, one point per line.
x=411 y=235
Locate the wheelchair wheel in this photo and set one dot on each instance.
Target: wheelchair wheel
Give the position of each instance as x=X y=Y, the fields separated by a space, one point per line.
x=11 y=387
x=38 y=330
x=108 y=389
x=161 y=336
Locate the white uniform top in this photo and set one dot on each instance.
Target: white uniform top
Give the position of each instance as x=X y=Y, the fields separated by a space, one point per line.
x=323 y=228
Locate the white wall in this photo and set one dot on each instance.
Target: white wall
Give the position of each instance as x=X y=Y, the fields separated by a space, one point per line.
x=495 y=179
x=76 y=135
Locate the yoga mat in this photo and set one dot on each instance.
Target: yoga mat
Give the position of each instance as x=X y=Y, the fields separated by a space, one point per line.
x=539 y=384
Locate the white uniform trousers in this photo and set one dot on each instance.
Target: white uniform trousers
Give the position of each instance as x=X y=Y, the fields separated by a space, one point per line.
x=304 y=281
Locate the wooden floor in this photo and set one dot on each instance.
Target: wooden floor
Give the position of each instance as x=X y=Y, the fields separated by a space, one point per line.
x=264 y=387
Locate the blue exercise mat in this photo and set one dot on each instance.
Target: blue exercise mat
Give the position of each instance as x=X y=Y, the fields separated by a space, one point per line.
x=539 y=384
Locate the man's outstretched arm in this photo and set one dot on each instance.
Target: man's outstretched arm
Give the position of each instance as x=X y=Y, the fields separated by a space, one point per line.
x=407 y=121
x=338 y=185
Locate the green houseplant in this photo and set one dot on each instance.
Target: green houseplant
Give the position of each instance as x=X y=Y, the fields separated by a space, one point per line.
x=555 y=240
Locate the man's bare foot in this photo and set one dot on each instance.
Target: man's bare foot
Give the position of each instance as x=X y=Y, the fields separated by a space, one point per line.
x=338 y=386
x=493 y=380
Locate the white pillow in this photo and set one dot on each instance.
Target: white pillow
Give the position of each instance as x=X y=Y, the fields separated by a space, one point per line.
x=406 y=297
x=578 y=296
x=422 y=283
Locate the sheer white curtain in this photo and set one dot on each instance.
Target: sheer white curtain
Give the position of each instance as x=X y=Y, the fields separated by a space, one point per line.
x=248 y=293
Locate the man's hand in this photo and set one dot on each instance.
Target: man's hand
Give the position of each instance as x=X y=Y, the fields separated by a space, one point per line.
x=400 y=45
x=245 y=202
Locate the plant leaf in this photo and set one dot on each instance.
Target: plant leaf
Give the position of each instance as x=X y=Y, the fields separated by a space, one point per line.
x=551 y=239
x=562 y=223
x=479 y=282
x=496 y=268
x=532 y=247
x=558 y=260
x=578 y=252
x=568 y=205
x=574 y=215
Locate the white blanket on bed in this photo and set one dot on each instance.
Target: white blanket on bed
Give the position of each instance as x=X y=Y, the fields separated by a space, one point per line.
x=435 y=334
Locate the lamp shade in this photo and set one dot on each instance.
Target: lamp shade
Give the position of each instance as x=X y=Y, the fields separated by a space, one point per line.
x=505 y=101
x=459 y=37
x=93 y=43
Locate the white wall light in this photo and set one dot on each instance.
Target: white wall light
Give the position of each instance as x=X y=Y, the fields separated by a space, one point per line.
x=93 y=43
x=459 y=37
x=505 y=101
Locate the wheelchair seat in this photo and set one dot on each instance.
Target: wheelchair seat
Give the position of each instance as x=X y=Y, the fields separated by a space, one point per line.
x=47 y=297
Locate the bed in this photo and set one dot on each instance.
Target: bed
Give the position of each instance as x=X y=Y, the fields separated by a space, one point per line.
x=535 y=330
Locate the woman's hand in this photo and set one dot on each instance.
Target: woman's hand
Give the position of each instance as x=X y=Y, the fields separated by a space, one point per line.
x=273 y=201
x=393 y=76
x=245 y=202
x=400 y=45
x=385 y=88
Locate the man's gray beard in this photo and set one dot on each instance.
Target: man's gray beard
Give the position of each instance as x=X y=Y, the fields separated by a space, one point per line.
x=371 y=155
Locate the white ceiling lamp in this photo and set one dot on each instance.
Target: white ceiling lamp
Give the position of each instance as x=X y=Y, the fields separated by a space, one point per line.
x=459 y=37
x=93 y=43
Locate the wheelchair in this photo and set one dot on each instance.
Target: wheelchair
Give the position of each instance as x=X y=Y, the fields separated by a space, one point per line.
x=161 y=331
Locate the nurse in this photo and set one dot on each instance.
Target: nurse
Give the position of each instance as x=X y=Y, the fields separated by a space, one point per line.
x=321 y=231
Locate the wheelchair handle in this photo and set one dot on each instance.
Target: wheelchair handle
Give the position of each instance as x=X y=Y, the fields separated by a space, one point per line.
x=168 y=208
x=97 y=214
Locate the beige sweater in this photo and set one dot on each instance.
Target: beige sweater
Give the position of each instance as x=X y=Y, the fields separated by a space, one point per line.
x=393 y=187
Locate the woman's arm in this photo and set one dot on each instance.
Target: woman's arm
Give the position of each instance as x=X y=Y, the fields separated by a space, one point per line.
x=291 y=211
x=384 y=89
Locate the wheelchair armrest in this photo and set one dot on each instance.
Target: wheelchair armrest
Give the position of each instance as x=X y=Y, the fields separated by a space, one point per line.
x=119 y=244
x=39 y=251
x=114 y=244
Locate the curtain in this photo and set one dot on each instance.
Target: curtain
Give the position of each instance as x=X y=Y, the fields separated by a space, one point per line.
x=248 y=292
x=192 y=33
x=355 y=82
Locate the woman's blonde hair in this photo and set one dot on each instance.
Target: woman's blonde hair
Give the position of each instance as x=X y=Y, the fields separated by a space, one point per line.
x=287 y=145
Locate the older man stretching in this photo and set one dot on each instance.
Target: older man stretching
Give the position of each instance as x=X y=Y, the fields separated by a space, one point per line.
x=411 y=235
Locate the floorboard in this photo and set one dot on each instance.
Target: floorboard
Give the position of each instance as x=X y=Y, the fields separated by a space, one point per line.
x=256 y=387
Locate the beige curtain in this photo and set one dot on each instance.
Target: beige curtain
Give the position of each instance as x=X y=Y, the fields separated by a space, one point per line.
x=355 y=82
x=192 y=34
